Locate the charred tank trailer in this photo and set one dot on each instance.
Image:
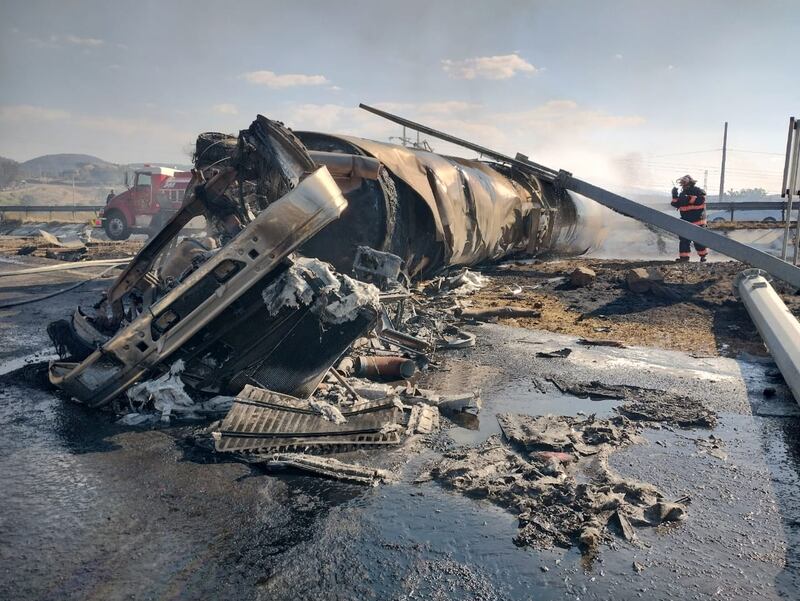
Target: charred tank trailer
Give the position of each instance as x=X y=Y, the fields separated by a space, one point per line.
x=234 y=308
x=435 y=211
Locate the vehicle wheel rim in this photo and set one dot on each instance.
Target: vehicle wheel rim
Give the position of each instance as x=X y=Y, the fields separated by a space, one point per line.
x=115 y=226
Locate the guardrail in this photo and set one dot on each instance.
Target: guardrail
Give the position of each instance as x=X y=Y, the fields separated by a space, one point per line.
x=50 y=208
x=26 y=210
x=747 y=205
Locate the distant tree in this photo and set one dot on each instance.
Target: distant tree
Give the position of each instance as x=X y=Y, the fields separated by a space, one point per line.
x=9 y=172
x=749 y=193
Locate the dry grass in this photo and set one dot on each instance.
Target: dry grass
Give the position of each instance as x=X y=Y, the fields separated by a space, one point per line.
x=54 y=194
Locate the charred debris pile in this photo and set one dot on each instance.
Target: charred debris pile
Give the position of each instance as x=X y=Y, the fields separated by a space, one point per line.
x=298 y=321
x=553 y=473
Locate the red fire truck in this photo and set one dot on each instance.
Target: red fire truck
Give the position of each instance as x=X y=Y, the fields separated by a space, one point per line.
x=156 y=194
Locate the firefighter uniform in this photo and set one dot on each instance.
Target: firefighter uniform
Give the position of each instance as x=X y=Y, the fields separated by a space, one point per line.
x=691 y=203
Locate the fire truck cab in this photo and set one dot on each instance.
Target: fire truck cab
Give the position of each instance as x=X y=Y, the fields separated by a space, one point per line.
x=156 y=194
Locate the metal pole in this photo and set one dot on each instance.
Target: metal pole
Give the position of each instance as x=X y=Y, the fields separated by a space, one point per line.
x=788 y=153
x=775 y=323
x=705 y=180
x=793 y=184
x=796 y=183
x=785 y=193
x=722 y=169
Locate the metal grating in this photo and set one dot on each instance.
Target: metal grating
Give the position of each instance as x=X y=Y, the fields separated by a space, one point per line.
x=262 y=420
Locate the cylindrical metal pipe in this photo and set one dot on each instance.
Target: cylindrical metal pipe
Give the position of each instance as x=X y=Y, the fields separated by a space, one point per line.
x=384 y=368
x=778 y=328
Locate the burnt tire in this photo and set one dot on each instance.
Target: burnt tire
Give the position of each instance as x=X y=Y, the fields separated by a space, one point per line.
x=213 y=147
x=116 y=226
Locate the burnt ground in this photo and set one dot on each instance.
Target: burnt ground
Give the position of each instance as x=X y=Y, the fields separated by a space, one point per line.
x=694 y=310
x=36 y=246
x=93 y=510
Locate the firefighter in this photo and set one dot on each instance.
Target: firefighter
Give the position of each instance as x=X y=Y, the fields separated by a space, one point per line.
x=110 y=196
x=691 y=202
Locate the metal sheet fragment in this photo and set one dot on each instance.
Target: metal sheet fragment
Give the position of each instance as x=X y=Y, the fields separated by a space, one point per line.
x=329 y=467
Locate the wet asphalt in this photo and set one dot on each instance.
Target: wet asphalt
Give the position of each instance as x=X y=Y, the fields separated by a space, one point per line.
x=91 y=510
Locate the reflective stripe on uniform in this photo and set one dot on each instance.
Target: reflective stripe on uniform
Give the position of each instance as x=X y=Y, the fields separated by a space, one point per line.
x=692 y=208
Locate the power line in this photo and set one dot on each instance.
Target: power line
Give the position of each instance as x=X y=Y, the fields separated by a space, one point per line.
x=777 y=154
x=675 y=154
x=684 y=166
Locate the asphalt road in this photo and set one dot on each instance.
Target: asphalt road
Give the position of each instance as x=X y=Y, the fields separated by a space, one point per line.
x=92 y=510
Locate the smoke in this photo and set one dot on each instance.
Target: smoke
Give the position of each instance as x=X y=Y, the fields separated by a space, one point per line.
x=601 y=233
x=588 y=230
x=631 y=239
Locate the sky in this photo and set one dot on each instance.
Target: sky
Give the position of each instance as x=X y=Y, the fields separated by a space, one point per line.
x=624 y=93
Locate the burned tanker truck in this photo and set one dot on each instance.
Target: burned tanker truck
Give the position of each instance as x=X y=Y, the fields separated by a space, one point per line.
x=264 y=296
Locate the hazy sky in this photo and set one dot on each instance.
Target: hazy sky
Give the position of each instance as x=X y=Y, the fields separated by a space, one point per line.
x=603 y=89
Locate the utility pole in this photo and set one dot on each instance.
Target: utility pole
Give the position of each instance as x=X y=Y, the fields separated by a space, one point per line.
x=722 y=170
x=786 y=191
x=705 y=180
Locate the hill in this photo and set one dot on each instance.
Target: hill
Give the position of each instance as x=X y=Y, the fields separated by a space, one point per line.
x=64 y=167
x=55 y=165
